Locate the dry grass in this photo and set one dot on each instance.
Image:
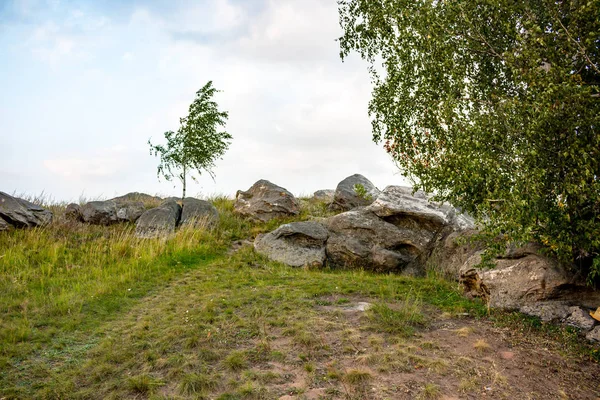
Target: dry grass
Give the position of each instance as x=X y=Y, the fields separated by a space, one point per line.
x=464 y=331
x=481 y=346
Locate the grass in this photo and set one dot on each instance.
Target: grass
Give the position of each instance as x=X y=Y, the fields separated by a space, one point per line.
x=401 y=319
x=357 y=377
x=430 y=391
x=481 y=346
x=94 y=313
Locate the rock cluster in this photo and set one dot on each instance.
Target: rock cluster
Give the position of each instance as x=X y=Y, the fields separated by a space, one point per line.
x=153 y=222
x=393 y=233
x=162 y=220
x=119 y=209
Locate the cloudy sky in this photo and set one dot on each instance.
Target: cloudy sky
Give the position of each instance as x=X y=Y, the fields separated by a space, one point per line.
x=85 y=84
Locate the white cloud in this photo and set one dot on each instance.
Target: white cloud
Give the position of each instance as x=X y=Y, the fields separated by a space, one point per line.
x=298 y=115
x=107 y=163
x=290 y=30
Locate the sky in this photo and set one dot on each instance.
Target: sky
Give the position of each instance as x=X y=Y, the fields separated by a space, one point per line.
x=86 y=84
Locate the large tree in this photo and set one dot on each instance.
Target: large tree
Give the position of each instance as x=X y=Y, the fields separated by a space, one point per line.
x=494 y=106
x=198 y=142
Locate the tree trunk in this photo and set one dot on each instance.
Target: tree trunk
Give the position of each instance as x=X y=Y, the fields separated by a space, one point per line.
x=183 y=179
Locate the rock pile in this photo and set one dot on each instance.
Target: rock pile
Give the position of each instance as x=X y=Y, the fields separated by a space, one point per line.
x=392 y=234
x=162 y=220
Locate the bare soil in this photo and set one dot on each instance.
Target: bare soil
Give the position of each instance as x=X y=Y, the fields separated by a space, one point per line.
x=453 y=358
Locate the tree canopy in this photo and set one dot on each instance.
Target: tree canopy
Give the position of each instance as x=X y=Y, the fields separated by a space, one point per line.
x=493 y=105
x=198 y=142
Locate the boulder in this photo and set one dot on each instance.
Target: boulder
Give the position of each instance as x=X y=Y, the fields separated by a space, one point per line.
x=580 y=318
x=158 y=222
x=195 y=211
x=547 y=311
x=451 y=250
x=73 y=212
x=360 y=239
x=21 y=213
x=514 y=283
x=100 y=212
x=129 y=211
x=265 y=201
x=297 y=244
x=346 y=196
x=325 y=195
x=137 y=196
x=399 y=202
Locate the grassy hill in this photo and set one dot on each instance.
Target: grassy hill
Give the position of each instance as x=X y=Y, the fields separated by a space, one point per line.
x=92 y=312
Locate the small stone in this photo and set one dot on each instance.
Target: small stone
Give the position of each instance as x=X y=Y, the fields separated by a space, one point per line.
x=580 y=319
x=360 y=306
x=507 y=355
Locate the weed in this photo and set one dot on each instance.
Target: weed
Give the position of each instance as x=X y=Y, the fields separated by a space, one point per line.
x=195 y=383
x=429 y=392
x=464 y=331
x=467 y=385
x=481 y=346
x=357 y=377
x=401 y=320
x=143 y=383
x=236 y=361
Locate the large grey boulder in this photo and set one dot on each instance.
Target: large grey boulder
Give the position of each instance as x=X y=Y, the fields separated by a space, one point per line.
x=346 y=196
x=298 y=244
x=100 y=212
x=198 y=212
x=21 y=213
x=265 y=201
x=360 y=239
x=120 y=209
x=400 y=202
x=132 y=205
x=160 y=221
x=526 y=281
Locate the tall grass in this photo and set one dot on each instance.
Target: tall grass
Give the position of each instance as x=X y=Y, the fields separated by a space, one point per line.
x=68 y=275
